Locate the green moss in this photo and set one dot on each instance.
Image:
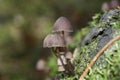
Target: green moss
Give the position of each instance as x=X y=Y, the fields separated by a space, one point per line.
x=107 y=66
x=95 y=21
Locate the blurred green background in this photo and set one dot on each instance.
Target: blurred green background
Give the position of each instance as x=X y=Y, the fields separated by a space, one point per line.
x=23 y=26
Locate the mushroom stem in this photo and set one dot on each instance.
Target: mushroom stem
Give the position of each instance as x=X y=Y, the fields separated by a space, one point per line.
x=69 y=67
x=55 y=50
x=63 y=35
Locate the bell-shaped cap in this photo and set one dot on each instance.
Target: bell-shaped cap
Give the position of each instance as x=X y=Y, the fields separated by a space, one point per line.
x=54 y=40
x=62 y=24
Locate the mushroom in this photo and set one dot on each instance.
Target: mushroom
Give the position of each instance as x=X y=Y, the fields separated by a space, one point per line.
x=55 y=41
x=41 y=66
x=58 y=44
x=114 y=4
x=63 y=26
x=105 y=7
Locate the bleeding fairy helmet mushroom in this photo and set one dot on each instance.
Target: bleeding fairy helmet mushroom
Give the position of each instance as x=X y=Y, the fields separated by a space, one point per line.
x=62 y=24
x=53 y=40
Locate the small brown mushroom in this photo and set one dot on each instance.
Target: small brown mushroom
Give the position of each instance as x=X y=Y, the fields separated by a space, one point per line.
x=53 y=40
x=41 y=66
x=114 y=4
x=62 y=24
x=57 y=43
x=105 y=7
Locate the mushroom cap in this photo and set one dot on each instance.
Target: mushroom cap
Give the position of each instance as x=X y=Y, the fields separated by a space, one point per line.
x=105 y=6
x=62 y=24
x=69 y=55
x=40 y=65
x=53 y=40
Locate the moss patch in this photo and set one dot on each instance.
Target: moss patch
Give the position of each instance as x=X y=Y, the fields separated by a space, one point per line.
x=107 y=66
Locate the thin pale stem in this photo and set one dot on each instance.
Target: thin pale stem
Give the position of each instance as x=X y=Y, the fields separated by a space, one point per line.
x=69 y=66
x=56 y=52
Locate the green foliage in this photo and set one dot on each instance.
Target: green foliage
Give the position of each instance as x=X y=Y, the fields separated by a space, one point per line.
x=80 y=34
x=107 y=66
x=116 y=24
x=24 y=23
x=78 y=37
x=95 y=21
x=51 y=63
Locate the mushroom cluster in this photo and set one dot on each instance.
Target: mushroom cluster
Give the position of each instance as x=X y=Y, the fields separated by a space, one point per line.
x=56 y=41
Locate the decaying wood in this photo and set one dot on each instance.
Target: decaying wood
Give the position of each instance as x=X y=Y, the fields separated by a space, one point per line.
x=97 y=56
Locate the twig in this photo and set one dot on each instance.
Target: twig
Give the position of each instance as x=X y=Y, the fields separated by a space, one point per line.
x=97 y=55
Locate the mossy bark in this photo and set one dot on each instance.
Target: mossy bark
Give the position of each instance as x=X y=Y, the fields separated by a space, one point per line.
x=107 y=66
